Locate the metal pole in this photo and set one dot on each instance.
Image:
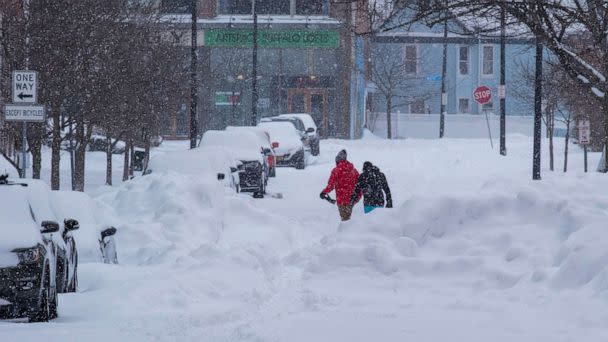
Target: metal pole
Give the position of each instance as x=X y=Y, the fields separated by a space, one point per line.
x=502 y=92
x=585 y=155
x=26 y=12
x=444 y=96
x=254 y=71
x=193 y=78
x=538 y=88
x=23 y=150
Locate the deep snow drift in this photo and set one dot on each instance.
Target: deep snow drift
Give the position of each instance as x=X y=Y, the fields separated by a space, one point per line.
x=473 y=251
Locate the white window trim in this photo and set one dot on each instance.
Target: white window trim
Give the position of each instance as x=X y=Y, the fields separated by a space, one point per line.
x=468 y=60
x=468 y=105
x=417 y=57
x=483 y=74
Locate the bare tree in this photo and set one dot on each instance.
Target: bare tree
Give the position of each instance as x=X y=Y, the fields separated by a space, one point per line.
x=393 y=75
x=574 y=31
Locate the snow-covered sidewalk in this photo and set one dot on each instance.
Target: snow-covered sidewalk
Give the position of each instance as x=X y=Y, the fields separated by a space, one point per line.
x=473 y=251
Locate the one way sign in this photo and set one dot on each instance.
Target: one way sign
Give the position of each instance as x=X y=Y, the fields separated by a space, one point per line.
x=25 y=86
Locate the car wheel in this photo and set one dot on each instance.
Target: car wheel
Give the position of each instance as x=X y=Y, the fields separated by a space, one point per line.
x=43 y=312
x=301 y=163
x=53 y=305
x=73 y=285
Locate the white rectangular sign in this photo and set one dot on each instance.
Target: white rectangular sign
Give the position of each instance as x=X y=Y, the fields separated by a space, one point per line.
x=24 y=113
x=584 y=132
x=502 y=91
x=25 y=86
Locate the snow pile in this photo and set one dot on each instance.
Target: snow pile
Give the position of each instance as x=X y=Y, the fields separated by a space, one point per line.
x=489 y=241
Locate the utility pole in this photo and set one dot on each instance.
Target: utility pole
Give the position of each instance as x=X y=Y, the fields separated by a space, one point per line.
x=502 y=89
x=193 y=78
x=254 y=71
x=444 y=95
x=538 y=95
x=26 y=12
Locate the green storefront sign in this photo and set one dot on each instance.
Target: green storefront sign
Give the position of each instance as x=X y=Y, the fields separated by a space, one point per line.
x=273 y=38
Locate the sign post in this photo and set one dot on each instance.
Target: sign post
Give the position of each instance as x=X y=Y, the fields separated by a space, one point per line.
x=483 y=95
x=584 y=137
x=23 y=108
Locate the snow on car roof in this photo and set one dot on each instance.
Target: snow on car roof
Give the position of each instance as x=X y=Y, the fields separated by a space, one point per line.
x=284 y=133
x=17 y=226
x=204 y=161
x=306 y=119
x=241 y=145
x=262 y=135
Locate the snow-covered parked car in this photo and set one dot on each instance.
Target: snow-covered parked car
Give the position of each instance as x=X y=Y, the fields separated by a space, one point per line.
x=28 y=254
x=43 y=209
x=310 y=129
x=299 y=126
x=287 y=143
x=211 y=162
x=265 y=144
x=94 y=219
x=244 y=147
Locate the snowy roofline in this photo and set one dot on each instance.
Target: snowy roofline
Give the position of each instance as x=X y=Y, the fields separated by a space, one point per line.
x=263 y=20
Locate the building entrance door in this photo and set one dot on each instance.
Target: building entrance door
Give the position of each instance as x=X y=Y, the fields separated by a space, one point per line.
x=313 y=101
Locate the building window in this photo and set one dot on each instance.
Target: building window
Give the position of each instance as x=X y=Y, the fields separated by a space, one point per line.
x=463 y=106
x=235 y=7
x=411 y=59
x=417 y=107
x=488 y=60
x=175 y=6
x=463 y=60
x=280 y=7
x=309 y=7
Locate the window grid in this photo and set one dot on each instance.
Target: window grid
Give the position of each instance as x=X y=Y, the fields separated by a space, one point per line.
x=411 y=59
x=488 y=60
x=463 y=60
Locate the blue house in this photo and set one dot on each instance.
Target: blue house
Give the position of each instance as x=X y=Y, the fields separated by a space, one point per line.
x=472 y=60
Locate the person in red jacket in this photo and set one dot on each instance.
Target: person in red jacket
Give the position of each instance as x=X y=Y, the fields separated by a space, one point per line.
x=343 y=180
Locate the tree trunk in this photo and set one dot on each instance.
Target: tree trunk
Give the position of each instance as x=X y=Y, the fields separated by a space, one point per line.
x=35 y=143
x=567 y=140
x=389 y=128
x=551 y=130
x=125 y=170
x=80 y=156
x=146 y=153
x=109 y=160
x=132 y=164
x=55 y=148
x=606 y=127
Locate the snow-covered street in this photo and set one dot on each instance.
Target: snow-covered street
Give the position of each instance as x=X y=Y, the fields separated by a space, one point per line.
x=473 y=251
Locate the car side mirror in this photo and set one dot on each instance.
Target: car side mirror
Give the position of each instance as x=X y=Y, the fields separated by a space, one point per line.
x=221 y=176
x=108 y=232
x=233 y=169
x=71 y=224
x=275 y=145
x=310 y=130
x=49 y=227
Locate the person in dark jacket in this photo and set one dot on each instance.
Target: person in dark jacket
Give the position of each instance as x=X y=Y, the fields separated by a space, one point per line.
x=343 y=180
x=372 y=183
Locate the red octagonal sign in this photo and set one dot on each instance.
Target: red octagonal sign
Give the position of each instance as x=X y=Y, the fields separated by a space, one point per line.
x=482 y=94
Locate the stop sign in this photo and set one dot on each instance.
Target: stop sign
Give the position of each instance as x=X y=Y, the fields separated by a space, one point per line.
x=482 y=94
